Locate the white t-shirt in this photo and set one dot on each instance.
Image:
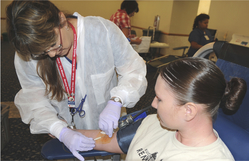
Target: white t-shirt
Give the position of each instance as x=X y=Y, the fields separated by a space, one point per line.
x=152 y=142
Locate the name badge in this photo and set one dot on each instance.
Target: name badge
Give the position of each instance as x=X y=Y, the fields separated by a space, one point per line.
x=206 y=37
x=71 y=104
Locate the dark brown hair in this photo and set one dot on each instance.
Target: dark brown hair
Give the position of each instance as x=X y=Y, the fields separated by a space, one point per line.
x=129 y=6
x=199 y=18
x=30 y=26
x=200 y=81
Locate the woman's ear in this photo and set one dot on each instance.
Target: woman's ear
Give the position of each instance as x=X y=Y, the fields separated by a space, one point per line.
x=190 y=110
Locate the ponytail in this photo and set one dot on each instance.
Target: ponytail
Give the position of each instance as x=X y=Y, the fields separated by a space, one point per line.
x=233 y=96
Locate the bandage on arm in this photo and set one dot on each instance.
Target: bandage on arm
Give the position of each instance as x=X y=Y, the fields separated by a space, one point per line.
x=102 y=141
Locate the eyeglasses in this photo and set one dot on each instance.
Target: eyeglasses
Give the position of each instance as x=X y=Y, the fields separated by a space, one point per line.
x=45 y=53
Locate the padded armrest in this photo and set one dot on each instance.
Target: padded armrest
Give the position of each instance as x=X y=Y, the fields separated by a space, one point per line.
x=54 y=149
x=235 y=137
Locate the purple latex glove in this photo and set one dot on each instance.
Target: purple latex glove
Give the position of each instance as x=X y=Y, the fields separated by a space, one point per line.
x=108 y=119
x=75 y=141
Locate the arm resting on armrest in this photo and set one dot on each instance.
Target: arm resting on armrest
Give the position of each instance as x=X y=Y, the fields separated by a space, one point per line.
x=119 y=142
x=102 y=141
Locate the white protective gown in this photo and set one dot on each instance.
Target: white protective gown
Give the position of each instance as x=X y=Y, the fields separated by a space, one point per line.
x=102 y=50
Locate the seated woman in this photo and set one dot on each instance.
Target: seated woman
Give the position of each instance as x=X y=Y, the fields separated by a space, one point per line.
x=199 y=36
x=189 y=92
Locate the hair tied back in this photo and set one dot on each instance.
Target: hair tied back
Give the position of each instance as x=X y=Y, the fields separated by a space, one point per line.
x=233 y=96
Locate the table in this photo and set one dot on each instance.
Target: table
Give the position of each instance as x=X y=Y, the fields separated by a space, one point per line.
x=155 y=48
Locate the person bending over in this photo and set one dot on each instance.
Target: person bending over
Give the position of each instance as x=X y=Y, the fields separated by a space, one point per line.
x=122 y=19
x=67 y=67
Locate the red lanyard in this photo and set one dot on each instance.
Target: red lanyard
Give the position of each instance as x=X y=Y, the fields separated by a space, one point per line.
x=70 y=92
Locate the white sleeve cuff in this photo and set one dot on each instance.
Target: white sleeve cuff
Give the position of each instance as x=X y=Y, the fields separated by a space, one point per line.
x=56 y=128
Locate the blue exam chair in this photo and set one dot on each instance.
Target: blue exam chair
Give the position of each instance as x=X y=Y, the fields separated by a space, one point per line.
x=233 y=60
x=54 y=149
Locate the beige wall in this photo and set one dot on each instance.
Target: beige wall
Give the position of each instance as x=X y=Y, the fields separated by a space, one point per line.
x=149 y=9
x=183 y=14
x=176 y=16
x=182 y=18
x=3 y=6
x=102 y=8
x=231 y=17
x=144 y=18
x=227 y=16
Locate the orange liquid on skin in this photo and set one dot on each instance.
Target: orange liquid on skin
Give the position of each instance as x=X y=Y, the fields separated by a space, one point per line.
x=104 y=138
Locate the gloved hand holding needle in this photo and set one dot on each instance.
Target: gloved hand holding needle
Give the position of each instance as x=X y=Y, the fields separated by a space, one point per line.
x=108 y=119
x=75 y=141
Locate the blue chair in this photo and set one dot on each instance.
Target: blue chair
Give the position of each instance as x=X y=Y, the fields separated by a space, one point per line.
x=233 y=60
x=54 y=149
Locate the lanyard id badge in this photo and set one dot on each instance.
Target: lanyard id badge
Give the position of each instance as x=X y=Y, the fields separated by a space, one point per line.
x=80 y=110
x=70 y=92
x=206 y=37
